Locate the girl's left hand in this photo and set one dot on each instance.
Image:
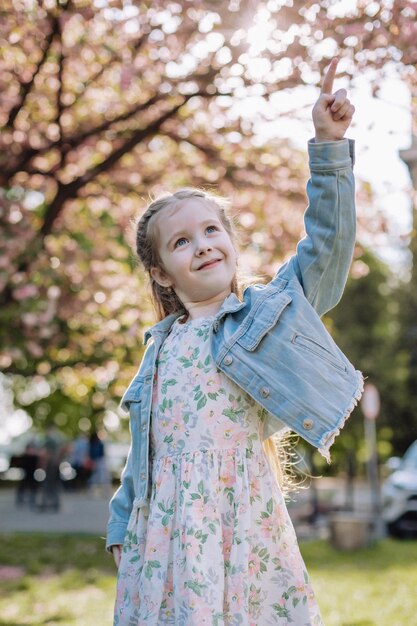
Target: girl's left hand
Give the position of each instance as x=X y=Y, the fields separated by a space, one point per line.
x=333 y=112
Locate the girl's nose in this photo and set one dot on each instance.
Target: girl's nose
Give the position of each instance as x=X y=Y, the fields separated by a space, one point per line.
x=202 y=248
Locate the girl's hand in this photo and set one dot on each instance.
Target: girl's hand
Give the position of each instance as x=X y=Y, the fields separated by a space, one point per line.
x=117 y=553
x=332 y=113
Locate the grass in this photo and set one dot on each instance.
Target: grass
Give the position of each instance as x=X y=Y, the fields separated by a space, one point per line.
x=371 y=587
x=70 y=581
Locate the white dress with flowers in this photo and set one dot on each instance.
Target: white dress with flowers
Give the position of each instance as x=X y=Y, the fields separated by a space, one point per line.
x=215 y=545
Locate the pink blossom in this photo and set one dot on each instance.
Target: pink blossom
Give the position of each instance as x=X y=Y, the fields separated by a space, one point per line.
x=25 y=291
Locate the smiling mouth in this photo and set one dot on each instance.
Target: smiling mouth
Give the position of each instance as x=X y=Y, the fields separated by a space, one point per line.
x=209 y=264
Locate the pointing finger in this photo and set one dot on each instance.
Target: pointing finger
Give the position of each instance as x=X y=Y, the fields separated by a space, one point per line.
x=327 y=85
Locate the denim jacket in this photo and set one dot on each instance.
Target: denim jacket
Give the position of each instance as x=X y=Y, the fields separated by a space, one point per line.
x=273 y=343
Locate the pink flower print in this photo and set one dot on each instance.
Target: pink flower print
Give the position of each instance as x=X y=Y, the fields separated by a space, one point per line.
x=205 y=615
x=228 y=473
x=120 y=594
x=285 y=550
x=177 y=419
x=211 y=385
x=217 y=427
x=227 y=434
x=266 y=527
x=240 y=438
x=236 y=595
x=255 y=488
x=151 y=551
x=197 y=510
x=254 y=564
x=212 y=514
x=227 y=537
x=149 y=606
x=299 y=585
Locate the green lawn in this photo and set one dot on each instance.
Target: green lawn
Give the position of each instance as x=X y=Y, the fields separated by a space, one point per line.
x=372 y=587
x=70 y=581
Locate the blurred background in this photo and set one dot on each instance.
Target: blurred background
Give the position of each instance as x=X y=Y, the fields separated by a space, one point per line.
x=103 y=105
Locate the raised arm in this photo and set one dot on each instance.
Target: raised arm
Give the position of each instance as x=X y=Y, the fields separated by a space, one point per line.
x=323 y=257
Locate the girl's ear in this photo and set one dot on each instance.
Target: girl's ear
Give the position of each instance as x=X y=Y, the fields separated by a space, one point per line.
x=160 y=277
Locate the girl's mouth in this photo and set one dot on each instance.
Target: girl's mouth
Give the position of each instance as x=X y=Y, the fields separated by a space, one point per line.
x=209 y=264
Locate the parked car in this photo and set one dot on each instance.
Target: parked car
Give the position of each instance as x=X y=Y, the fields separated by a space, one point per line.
x=399 y=495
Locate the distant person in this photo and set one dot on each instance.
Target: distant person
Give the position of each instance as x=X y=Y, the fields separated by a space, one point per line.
x=199 y=527
x=99 y=480
x=53 y=451
x=80 y=461
x=28 y=486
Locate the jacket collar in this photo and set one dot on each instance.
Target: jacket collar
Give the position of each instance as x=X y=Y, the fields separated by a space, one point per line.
x=230 y=304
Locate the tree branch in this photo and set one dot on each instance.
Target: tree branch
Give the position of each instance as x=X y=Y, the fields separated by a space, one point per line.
x=25 y=88
x=70 y=190
x=70 y=143
x=137 y=46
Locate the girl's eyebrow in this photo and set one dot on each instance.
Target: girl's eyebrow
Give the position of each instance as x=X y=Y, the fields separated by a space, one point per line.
x=182 y=232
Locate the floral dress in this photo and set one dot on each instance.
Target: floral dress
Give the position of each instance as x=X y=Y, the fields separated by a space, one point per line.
x=214 y=545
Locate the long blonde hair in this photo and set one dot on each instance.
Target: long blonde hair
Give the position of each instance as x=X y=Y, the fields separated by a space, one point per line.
x=166 y=301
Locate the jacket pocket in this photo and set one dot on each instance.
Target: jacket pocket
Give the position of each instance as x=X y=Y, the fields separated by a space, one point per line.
x=316 y=348
x=263 y=318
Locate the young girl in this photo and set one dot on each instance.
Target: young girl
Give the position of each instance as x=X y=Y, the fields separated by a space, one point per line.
x=199 y=528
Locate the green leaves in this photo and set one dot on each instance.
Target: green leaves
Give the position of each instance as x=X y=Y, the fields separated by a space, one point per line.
x=149 y=567
x=199 y=397
x=168 y=383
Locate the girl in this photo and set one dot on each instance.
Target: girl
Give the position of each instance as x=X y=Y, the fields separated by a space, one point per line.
x=199 y=527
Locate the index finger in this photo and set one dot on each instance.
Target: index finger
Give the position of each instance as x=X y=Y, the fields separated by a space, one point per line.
x=329 y=76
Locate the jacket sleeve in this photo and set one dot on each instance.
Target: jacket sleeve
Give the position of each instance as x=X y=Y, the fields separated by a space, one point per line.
x=120 y=507
x=323 y=257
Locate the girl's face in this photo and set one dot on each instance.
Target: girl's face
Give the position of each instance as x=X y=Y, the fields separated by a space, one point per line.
x=197 y=254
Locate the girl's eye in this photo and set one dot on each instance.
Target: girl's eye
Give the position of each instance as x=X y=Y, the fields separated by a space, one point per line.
x=178 y=242
x=211 y=228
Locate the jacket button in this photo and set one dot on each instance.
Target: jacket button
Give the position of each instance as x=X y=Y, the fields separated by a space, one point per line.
x=228 y=360
x=143 y=476
x=144 y=427
x=264 y=392
x=308 y=424
x=216 y=326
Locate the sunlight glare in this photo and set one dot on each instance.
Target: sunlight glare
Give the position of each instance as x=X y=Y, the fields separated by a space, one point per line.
x=259 y=34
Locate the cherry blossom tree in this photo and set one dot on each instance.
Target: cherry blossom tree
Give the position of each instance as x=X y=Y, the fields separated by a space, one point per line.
x=104 y=104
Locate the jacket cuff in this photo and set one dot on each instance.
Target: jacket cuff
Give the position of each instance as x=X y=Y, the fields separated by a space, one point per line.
x=115 y=535
x=331 y=155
